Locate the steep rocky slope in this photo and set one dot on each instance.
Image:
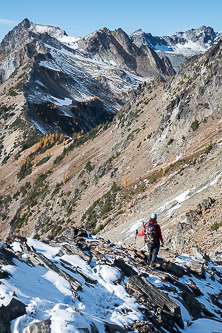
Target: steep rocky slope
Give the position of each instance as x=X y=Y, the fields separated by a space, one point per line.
x=161 y=152
x=194 y=97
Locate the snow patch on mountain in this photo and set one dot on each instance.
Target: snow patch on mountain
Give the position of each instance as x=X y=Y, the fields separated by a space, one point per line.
x=187 y=49
x=52 y=31
x=189 y=193
x=71 y=42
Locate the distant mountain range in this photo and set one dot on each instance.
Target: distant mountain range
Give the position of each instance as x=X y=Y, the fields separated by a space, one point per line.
x=180 y=46
x=68 y=75
x=75 y=84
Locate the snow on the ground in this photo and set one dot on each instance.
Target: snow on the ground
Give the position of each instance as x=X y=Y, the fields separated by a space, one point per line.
x=179 y=199
x=187 y=195
x=130 y=231
x=204 y=325
x=71 y=42
x=186 y=48
x=207 y=285
x=164 y=48
x=48 y=295
x=65 y=101
x=16 y=247
x=41 y=128
x=49 y=251
x=189 y=47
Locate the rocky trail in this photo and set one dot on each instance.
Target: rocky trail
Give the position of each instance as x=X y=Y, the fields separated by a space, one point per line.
x=87 y=284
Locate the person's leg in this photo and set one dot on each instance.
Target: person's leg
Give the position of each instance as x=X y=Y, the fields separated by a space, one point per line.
x=149 y=250
x=155 y=251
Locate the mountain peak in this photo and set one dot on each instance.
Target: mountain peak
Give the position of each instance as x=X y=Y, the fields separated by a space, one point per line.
x=138 y=31
x=24 y=30
x=105 y=29
x=25 y=23
x=19 y=30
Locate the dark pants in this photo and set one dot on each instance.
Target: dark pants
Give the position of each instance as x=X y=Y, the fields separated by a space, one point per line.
x=152 y=253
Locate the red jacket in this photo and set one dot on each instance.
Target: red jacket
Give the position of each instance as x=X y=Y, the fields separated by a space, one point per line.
x=159 y=233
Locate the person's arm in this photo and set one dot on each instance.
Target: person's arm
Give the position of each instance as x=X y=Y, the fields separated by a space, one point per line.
x=140 y=233
x=160 y=235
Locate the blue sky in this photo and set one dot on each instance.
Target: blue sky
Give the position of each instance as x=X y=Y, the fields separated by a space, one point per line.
x=81 y=17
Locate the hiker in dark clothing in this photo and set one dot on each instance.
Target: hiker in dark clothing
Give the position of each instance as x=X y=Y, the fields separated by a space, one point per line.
x=153 y=237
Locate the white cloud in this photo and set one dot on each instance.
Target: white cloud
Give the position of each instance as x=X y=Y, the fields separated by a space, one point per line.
x=7 y=22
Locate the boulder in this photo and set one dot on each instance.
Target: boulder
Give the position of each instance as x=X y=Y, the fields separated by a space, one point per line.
x=9 y=312
x=126 y=269
x=197 y=267
x=206 y=204
x=39 y=327
x=66 y=248
x=199 y=253
x=6 y=257
x=143 y=326
x=173 y=268
x=73 y=232
x=113 y=328
x=191 y=304
x=195 y=289
x=216 y=255
x=142 y=289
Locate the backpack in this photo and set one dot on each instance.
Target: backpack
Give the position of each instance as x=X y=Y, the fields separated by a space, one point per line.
x=151 y=233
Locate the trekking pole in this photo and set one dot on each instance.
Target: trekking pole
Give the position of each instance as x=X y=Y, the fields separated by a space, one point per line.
x=135 y=238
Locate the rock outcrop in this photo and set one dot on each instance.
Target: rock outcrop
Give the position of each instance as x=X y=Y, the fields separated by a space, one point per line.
x=182 y=113
x=39 y=327
x=9 y=312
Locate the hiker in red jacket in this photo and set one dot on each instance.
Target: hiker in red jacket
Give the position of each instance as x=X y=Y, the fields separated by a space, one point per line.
x=153 y=237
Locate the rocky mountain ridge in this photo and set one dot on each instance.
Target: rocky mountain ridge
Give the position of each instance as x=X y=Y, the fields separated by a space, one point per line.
x=180 y=46
x=94 y=285
x=67 y=80
x=117 y=47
